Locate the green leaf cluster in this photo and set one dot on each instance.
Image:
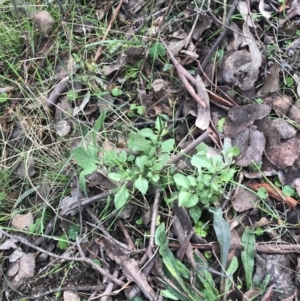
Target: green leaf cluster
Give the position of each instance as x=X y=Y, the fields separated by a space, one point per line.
x=209 y=181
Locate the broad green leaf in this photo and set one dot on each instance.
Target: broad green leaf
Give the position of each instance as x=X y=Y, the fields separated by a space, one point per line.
x=73 y=232
x=116 y=92
x=155 y=178
x=247 y=255
x=85 y=172
x=167 y=146
x=159 y=124
x=115 y=176
x=203 y=162
x=141 y=184
x=230 y=271
x=62 y=242
x=157 y=50
x=171 y=264
x=157 y=167
x=100 y=121
x=183 y=197
x=227 y=175
x=182 y=181
x=169 y=294
x=205 y=277
x=84 y=158
x=192 y=180
x=288 y=190
x=123 y=156
x=167 y=256
x=262 y=193
x=191 y=201
x=137 y=142
x=3 y=97
x=121 y=197
x=148 y=133
x=221 y=124
x=202 y=149
x=195 y=213
x=163 y=158
x=223 y=234
x=141 y=161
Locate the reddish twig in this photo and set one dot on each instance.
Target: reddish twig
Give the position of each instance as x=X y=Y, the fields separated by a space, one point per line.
x=185 y=76
x=275 y=193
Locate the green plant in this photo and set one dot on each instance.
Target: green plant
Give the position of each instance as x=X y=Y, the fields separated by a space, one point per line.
x=209 y=179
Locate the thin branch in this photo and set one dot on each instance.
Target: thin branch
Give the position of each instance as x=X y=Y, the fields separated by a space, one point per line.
x=111 y=22
x=78 y=259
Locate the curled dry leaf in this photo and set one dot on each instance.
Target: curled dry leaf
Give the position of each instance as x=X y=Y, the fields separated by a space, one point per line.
x=44 y=22
x=71 y=296
x=26 y=169
x=284 y=154
x=262 y=10
x=8 y=244
x=15 y=255
x=239 y=118
x=238 y=39
x=202 y=24
x=251 y=143
x=282 y=105
x=284 y=129
x=241 y=67
x=271 y=83
x=13 y=268
x=22 y=221
x=62 y=128
x=66 y=66
x=244 y=200
x=26 y=270
x=69 y=201
x=245 y=13
x=297 y=81
x=203 y=114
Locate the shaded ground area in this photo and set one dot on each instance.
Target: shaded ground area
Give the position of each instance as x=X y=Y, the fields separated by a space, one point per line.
x=149 y=150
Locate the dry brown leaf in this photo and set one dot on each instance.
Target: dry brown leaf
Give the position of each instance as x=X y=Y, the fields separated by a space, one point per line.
x=68 y=201
x=26 y=270
x=71 y=296
x=284 y=129
x=202 y=24
x=26 y=169
x=22 y=221
x=203 y=114
x=271 y=83
x=245 y=13
x=282 y=104
x=8 y=244
x=15 y=255
x=251 y=143
x=44 y=22
x=13 y=268
x=262 y=10
x=239 y=118
x=252 y=293
x=284 y=154
x=62 y=128
x=244 y=200
x=66 y=66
